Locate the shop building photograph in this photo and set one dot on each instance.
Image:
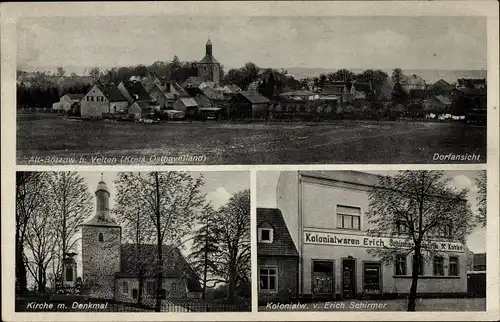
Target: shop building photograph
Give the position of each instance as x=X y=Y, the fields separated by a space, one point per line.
x=393 y=240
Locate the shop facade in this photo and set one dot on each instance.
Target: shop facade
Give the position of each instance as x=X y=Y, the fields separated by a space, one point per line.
x=325 y=215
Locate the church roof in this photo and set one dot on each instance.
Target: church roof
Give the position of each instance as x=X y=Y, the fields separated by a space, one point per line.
x=208 y=59
x=175 y=264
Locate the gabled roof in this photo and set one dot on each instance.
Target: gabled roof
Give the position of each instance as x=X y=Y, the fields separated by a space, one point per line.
x=254 y=97
x=212 y=93
x=233 y=88
x=179 y=89
x=175 y=264
x=412 y=80
x=192 y=82
x=333 y=90
x=137 y=90
x=443 y=99
x=112 y=93
x=208 y=59
x=188 y=101
x=298 y=93
x=76 y=97
x=441 y=84
x=282 y=244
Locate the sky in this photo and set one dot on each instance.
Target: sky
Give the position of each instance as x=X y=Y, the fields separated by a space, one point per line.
x=420 y=42
x=476 y=241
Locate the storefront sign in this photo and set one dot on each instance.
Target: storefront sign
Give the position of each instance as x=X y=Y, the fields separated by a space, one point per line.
x=370 y=242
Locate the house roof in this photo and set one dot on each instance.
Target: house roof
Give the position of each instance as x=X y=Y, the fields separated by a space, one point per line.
x=112 y=93
x=362 y=87
x=233 y=88
x=282 y=244
x=208 y=59
x=479 y=259
x=192 y=82
x=212 y=93
x=333 y=90
x=298 y=93
x=179 y=89
x=443 y=99
x=412 y=80
x=471 y=82
x=473 y=91
x=354 y=177
x=417 y=94
x=254 y=97
x=75 y=96
x=442 y=84
x=175 y=264
x=202 y=100
x=137 y=90
x=188 y=101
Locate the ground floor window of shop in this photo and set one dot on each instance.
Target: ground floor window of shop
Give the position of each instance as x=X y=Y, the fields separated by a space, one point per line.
x=268 y=278
x=322 y=277
x=372 y=283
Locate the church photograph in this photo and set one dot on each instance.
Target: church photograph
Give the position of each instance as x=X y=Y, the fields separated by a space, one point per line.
x=133 y=241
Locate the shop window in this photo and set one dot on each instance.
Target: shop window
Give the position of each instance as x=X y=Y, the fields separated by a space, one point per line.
x=438 y=267
x=348 y=217
x=453 y=266
x=420 y=265
x=322 y=277
x=101 y=237
x=268 y=278
x=371 y=278
x=150 y=288
x=125 y=287
x=265 y=235
x=400 y=265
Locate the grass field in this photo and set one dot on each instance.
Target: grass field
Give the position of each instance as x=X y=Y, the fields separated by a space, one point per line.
x=66 y=141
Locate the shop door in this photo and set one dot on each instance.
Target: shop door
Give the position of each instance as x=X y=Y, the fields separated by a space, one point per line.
x=348 y=279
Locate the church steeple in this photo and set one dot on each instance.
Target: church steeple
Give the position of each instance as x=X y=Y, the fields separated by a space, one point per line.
x=208 y=47
x=102 y=215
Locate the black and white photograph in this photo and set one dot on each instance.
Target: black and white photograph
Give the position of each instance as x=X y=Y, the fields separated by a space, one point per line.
x=409 y=240
x=132 y=242
x=251 y=89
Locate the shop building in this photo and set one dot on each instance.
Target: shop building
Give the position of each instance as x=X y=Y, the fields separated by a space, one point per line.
x=324 y=212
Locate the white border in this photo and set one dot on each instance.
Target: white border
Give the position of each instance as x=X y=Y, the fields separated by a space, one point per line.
x=10 y=12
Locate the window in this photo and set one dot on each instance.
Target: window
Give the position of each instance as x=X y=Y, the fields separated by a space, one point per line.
x=420 y=265
x=135 y=293
x=267 y=277
x=401 y=227
x=90 y=98
x=265 y=235
x=371 y=277
x=438 y=266
x=163 y=293
x=453 y=266
x=348 y=217
x=125 y=287
x=400 y=265
x=69 y=273
x=445 y=231
x=322 y=277
x=101 y=237
x=174 y=287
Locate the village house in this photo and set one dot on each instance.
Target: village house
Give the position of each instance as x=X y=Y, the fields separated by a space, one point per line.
x=472 y=83
x=337 y=93
x=249 y=104
x=438 y=104
x=187 y=105
x=103 y=100
x=134 y=91
x=410 y=82
x=110 y=267
x=142 y=109
x=360 y=90
x=417 y=96
x=69 y=100
x=441 y=87
x=192 y=82
x=276 y=252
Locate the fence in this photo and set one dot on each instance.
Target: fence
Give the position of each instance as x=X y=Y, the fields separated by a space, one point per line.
x=191 y=305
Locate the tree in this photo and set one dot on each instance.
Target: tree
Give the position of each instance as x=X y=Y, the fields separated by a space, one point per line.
x=399 y=95
x=95 y=73
x=421 y=208
x=233 y=233
x=60 y=71
x=341 y=75
x=397 y=75
x=481 y=198
x=205 y=248
x=28 y=201
x=170 y=201
x=71 y=203
x=376 y=77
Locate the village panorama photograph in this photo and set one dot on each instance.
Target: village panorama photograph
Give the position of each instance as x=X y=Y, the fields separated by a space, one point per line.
x=251 y=90
x=132 y=242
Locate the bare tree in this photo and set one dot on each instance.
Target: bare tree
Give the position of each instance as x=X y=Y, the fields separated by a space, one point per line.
x=72 y=203
x=233 y=233
x=481 y=198
x=421 y=208
x=171 y=201
x=28 y=200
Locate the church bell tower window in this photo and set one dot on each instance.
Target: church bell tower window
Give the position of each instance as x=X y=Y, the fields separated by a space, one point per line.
x=101 y=237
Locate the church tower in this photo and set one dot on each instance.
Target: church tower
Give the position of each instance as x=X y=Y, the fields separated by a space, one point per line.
x=101 y=246
x=209 y=67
